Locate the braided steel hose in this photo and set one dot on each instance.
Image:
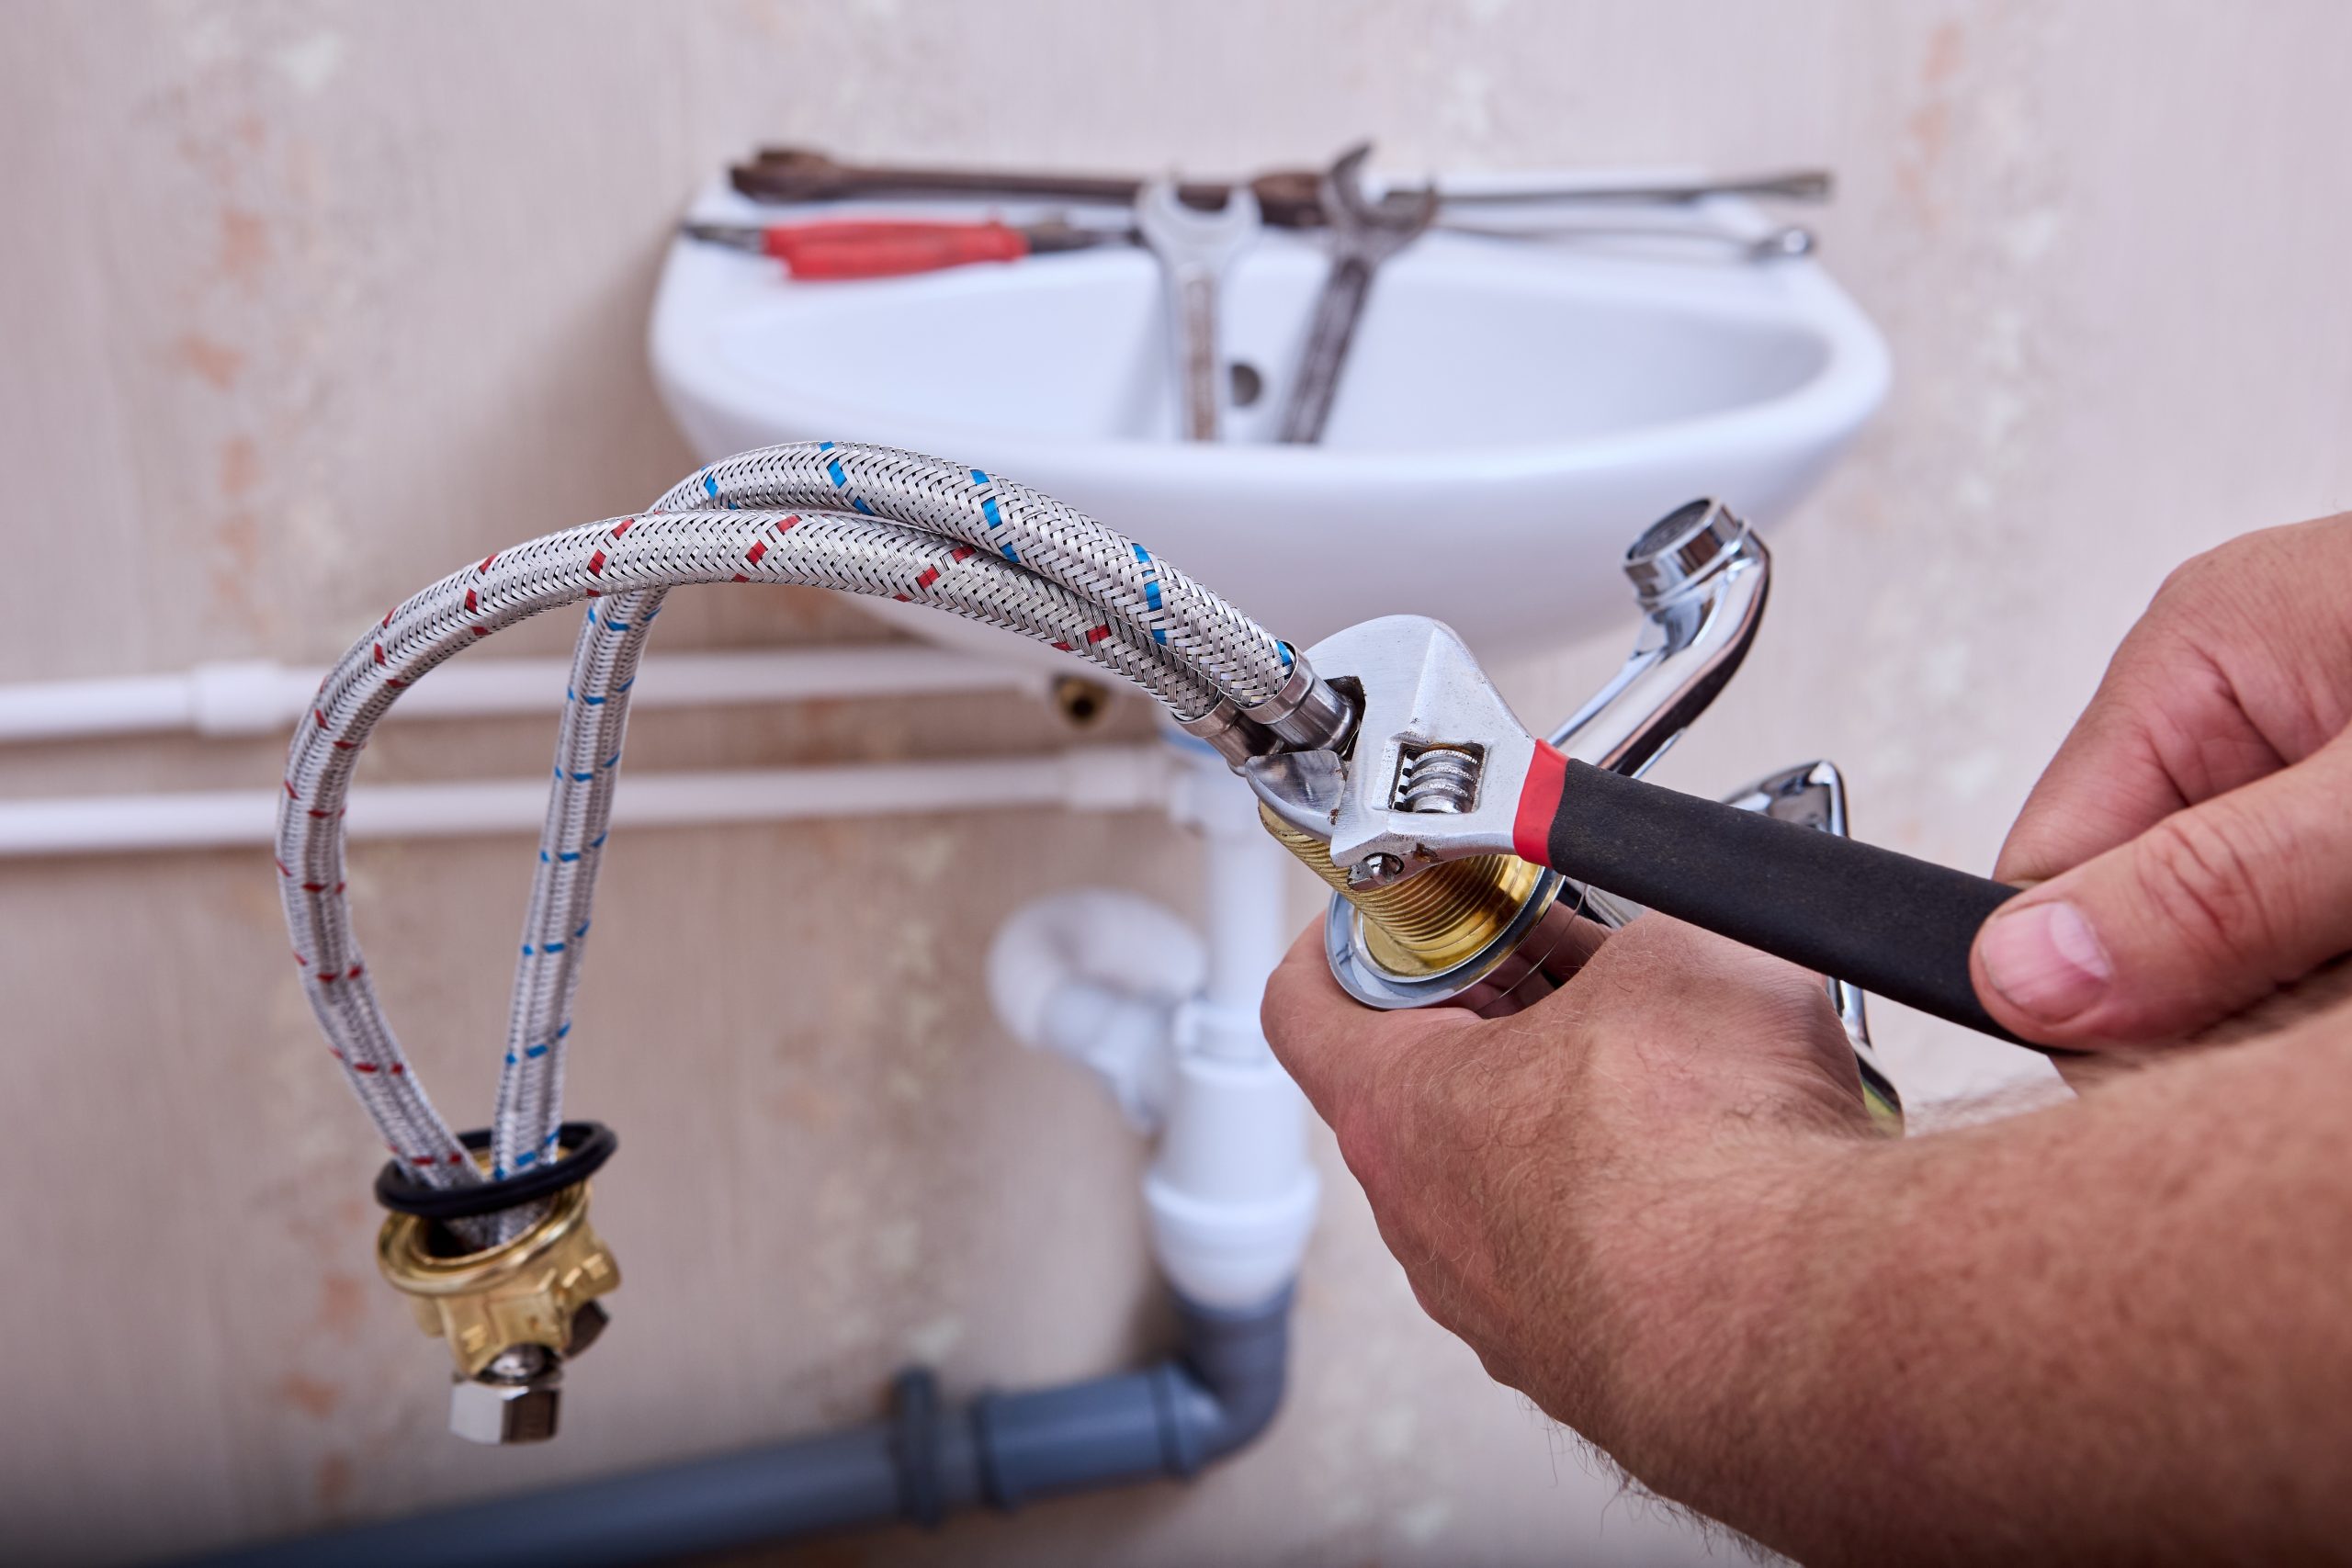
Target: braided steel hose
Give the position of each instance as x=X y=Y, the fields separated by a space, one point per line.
x=1025 y=526
x=994 y=552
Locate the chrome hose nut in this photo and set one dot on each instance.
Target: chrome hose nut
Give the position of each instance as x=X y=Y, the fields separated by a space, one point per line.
x=1308 y=714
x=514 y=1400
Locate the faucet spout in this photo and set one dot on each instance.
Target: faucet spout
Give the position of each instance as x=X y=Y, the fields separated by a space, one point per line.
x=1701 y=575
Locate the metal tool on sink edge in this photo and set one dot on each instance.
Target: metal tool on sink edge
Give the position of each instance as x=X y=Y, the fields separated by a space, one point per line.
x=1196 y=250
x=1290 y=198
x=1364 y=233
x=1475 y=864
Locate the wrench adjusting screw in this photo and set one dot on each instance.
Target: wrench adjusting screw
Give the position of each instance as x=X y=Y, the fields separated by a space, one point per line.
x=1437 y=779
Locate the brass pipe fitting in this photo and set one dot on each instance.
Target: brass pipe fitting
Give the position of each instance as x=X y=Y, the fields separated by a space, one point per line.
x=524 y=1292
x=510 y=1314
x=1430 y=921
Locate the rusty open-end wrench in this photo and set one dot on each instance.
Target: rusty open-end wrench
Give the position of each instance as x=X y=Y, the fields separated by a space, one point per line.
x=1364 y=233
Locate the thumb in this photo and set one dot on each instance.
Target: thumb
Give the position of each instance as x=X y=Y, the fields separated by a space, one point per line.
x=2208 y=910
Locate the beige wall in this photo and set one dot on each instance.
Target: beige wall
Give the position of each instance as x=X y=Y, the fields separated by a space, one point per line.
x=301 y=303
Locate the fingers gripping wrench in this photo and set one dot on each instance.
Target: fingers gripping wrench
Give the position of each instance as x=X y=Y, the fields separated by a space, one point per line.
x=1195 y=249
x=1364 y=233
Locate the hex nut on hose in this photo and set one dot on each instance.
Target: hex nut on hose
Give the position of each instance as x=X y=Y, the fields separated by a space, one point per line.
x=516 y=1399
x=1231 y=733
x=1308 y=714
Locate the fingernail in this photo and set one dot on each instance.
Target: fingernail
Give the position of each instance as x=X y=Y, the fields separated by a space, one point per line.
x=2046 y=960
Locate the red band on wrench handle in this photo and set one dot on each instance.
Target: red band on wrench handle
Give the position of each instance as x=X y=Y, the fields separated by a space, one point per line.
x=1539 y=802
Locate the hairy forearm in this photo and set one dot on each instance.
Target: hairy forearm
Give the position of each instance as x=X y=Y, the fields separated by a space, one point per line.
x=2110 y=1326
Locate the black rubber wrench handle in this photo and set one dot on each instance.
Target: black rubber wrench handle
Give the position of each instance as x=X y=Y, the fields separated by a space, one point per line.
x=1896 y=927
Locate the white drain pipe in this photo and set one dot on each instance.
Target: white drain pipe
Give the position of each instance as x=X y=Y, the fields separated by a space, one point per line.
x=1169 y=1023
x=263 y=698
x=1231 y=1194
x=1085 y=778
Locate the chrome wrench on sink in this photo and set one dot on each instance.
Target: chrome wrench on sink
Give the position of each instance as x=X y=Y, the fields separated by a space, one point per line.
x=1364 y=233
x=1196 y=249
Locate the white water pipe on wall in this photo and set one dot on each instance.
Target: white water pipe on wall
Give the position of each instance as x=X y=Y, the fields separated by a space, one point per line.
x=1085 y=778
x=262 y=698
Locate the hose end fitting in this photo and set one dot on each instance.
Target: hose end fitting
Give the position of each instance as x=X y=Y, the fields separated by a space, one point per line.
x=1308 y=714
x=512 y=1314
x=1231 y=733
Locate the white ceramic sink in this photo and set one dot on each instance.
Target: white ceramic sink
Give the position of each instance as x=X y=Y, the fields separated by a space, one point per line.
x=1513 y=413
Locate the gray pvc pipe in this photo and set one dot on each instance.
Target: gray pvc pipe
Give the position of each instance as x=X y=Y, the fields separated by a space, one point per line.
x=928 y=1459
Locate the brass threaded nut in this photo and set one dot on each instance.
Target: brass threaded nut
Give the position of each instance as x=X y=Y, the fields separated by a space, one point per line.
x=1429 y=923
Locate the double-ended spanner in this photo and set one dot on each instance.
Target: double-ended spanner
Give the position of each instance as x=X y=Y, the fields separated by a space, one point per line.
x=1364 y=233
x=1196 y=250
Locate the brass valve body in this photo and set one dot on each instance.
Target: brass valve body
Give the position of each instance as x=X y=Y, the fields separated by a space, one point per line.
x=1429 y=922
x=524 y=1292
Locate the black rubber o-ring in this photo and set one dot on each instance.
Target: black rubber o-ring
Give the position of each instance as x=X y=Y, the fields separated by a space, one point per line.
x=586 y=1147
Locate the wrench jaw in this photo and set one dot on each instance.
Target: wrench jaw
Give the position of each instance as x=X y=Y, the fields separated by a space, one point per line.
x=1398 y=215
x=1426 y=706
x=1413 y=823
x=1416 y=826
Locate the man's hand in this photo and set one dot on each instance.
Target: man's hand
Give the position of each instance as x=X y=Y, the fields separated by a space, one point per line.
x=2110 y=1330
x=1552 y=1181
x=2192 y=841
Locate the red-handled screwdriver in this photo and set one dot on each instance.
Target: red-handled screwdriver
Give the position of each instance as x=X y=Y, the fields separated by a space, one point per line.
x=848 y=248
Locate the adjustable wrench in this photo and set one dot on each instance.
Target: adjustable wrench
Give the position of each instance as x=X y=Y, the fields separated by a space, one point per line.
x=1195 y=249
x=1894 y=926
x=1363 y=234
